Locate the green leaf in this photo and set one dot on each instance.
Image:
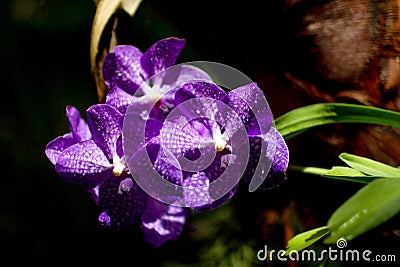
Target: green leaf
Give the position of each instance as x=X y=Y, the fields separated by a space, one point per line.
x=337 y=172
x=305 y=239
x=372 y=205
x=301 y=119
x=369 y=166
x=348 y=174
x=308 y=170
x=344 y=171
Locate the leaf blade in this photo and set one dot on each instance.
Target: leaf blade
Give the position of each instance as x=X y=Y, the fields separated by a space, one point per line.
x=301 y=119
x=305 y=239
x=369 y=166
x=372 y=205
x=348 y=174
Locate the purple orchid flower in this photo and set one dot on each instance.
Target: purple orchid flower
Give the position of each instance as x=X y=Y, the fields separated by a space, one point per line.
x=79 y=132
x=94 y=159
x=91 y=154
x=167 y=142
x=199 y=155
x=131 y=75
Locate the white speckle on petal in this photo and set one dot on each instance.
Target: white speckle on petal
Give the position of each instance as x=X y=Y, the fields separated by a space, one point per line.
x=157 y=226
x=174 y=209
x=195 y=190
x=179 y=219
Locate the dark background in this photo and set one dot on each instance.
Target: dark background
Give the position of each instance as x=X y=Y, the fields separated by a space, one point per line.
x=45 y=66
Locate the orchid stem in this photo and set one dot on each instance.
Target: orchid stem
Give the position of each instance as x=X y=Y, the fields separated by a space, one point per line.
x=308 y=170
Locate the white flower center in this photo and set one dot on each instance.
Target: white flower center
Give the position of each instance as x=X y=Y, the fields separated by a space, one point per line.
x=152 y=92
x=119 y=165
x=219 y=141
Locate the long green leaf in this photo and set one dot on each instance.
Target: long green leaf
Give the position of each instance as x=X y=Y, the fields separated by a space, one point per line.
x=348 y=174
x=369 y=166
x=337 y=173
x=300 y=119
x=305 y=239
x=372 y=205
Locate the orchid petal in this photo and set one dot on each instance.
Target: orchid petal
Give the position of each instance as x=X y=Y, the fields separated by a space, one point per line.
x=161 y=55
x=155 y=170
x=78 y=126
x=83 y=163
x=122 y=200
x=269 y=158
x=195 y=190
x=249 y=103
x=162 y=222
x=57 y=146
x=277 y=173
x=119 y=99
x=105 y=125
x=122 y=68
x=177 y=75
x=137 y=132
x=198 y=89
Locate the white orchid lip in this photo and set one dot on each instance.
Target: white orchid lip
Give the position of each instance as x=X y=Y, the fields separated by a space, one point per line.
x=119 y=166
x=220 y=142
x=152 y=91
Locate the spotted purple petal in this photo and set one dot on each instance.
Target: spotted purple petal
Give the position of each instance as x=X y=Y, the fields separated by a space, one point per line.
x=189 y=144
x=178 y=136
x=277 y=173
x=162 y=222
x=79 y=132
x=122 y=68
x=119 y=99
x=161 y=55
x=166 y=83
x=137 y=132
x=105 y=125
x=198 y=89
x=167 y=169
x=249 y=103
x=276 y=163
x=177 y=75
x=156 y=172
x=122 y=201
x=57 y=146
x=200 y=100
x=83 y=163
x=78 y=126
x=221 y=182
x=195 y=190
x=163 y=106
